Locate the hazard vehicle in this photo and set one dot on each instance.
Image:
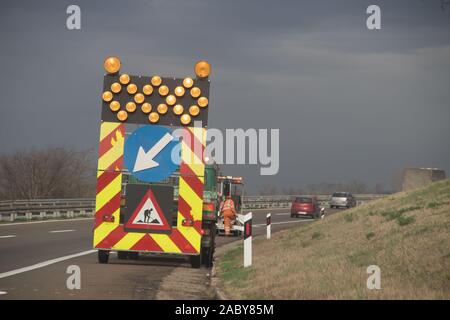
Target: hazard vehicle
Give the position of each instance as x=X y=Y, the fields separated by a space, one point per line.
x=147 y=202
x=234 y=187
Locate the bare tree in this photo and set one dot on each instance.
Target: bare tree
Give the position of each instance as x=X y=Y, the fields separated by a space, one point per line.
x=48 y=173
x=268 y=189
x=357 y=187
x=328 y=188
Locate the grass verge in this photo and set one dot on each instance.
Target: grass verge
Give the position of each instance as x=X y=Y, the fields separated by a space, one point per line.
x=407 y=235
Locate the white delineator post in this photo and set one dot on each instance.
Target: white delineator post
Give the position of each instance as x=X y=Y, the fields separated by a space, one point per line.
x=268 y=222
x=248 y=240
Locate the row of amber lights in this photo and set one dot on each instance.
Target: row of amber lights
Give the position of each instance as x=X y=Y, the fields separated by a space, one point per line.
x=163 y=90
x=112 y=65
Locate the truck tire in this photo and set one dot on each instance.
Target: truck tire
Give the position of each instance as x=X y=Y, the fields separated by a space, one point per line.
x=207 y=249
x=207 y=257
x=103 y=256
x=195 y=261
x=122 y=255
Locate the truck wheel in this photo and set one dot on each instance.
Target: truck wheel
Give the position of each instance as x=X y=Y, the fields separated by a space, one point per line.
x=103 y=256
x=195 y=261
x=122 y=255
x=207 y=257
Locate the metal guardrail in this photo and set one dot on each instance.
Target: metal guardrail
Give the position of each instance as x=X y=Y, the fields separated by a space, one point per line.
x=285 y=201
x=39 y=209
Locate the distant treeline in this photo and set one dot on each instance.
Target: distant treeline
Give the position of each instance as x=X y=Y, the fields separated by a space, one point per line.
x=64 y=173
x=47 y=173
x=325 y=188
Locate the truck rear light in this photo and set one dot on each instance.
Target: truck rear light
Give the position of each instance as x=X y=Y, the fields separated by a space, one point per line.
x=108 y=218
x=187 y=222
x=208 y=206
x=202 y=232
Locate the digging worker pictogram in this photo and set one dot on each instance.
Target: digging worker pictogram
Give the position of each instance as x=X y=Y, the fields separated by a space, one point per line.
x=147 y=215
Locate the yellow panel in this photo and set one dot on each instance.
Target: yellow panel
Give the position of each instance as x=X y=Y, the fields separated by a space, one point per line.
x=104 y=196
x=106 y=228
x=189 y=233
x=106 y=128
x=191 y=159
x=199 y=133
x=195 y=202
x=165 y=243
x=191 y=198
x=112 y=154
x=128 y=240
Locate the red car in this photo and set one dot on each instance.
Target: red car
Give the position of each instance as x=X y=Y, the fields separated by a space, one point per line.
x=306 y=206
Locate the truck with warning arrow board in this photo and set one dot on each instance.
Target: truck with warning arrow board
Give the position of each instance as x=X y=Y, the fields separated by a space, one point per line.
x=155 y=194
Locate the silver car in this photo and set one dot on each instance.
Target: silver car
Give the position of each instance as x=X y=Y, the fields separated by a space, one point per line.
x=342 y=199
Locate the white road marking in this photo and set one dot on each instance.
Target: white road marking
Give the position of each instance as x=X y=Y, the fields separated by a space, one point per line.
x=44 y=264
x=9 y=236
x=3 y=292
x=283 y=222
x=43 y=221
x=282 y=214
x=61 y=231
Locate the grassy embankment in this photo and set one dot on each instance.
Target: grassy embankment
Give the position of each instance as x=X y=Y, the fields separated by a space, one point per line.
x=407 y=235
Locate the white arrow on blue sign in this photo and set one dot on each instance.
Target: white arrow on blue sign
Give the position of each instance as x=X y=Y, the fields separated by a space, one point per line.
x=148 y=153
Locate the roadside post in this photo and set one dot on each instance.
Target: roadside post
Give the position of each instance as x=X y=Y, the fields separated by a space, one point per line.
x=268 y=221
x=248 y=240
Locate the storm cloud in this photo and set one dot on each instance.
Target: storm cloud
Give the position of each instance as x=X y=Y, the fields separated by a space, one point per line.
x=350 y=103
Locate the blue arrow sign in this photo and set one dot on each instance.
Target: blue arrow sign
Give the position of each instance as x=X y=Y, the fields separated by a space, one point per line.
x=148 y=153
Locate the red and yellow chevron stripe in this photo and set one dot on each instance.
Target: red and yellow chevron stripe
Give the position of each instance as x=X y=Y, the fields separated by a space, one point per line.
x=109 y=178
x=183 y=239
x=190 y=195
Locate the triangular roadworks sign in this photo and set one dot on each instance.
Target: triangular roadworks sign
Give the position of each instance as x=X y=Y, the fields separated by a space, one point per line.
x=148 y=215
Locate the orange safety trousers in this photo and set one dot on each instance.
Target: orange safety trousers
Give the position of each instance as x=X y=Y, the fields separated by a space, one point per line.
x=228 y=216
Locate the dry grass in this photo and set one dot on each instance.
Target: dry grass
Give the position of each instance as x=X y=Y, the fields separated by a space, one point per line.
x=407 y=235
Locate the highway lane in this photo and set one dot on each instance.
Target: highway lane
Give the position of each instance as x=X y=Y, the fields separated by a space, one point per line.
x=148 y=278
x=34 y=242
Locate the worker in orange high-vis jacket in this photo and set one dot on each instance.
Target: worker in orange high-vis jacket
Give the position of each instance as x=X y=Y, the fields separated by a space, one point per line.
x=229 y=212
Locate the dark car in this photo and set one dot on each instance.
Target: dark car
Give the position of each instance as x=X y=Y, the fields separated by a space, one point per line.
x=305 y=206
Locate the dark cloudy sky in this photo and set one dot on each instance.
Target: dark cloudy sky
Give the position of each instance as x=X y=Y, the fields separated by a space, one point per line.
x=350 y=103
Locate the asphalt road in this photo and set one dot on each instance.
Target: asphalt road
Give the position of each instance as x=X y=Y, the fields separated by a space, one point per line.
x=34 y=257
